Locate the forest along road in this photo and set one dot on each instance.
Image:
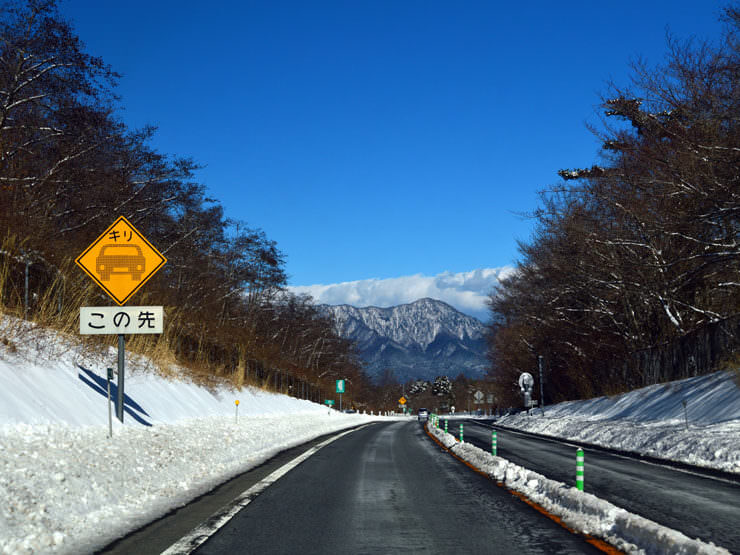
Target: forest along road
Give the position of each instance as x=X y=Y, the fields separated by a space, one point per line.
x=388 y=488
x=700 y=507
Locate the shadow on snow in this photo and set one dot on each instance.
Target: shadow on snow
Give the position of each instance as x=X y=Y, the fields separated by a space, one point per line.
x=100 y=385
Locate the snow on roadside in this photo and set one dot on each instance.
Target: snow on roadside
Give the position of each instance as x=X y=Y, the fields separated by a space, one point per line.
x=68 y=488
x=73 y=490
x=579 y=510
x=653 y=421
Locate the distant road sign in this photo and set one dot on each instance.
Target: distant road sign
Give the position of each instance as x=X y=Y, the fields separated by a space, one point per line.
x=478 y=397
x=402 y=401
x=329 y=402
x=113 y=320
x=340 y=386
x=121 y=260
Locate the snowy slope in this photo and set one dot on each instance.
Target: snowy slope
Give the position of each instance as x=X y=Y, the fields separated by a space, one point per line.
x=653 y=421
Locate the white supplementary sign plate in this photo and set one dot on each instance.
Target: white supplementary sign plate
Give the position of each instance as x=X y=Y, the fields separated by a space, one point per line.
x=114 y=320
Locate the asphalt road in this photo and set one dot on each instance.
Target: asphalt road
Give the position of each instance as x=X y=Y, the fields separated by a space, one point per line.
x=387 y=488
x=157 y=536
x=700 y=507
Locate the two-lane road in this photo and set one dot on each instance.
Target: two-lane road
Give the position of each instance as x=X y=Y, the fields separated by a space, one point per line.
x=387 y=488
x=699 y=506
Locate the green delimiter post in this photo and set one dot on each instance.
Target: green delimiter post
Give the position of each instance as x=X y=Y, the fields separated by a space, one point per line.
x=461 y=433
x=445 y=425
x=493 y=443
x=579 y=469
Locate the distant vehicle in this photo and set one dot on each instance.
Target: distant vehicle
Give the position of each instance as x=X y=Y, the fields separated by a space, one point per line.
x=120 y=259
x=423 y=415
x=349 y=411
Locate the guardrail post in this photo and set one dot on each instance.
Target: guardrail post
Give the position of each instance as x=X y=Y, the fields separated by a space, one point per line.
x=461 y=433
x=579 y=469
x=493 y=443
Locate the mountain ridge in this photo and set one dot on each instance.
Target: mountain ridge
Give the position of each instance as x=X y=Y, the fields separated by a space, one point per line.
x=417 y=340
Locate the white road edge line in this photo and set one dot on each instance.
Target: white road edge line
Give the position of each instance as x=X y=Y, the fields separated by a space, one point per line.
x=189 y=543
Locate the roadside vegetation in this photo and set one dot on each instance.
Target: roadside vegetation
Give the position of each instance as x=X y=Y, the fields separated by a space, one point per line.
x=633 y=274
x=69 y=166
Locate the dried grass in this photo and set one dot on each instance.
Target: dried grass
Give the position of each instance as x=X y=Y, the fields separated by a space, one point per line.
x=57 y=306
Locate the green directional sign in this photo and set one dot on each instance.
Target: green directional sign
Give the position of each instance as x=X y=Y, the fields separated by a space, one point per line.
x=329 y=402
x=340 y=386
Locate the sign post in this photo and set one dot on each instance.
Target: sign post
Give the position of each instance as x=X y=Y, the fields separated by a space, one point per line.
x=340 y=390
x=121 y=364
x=526 y=381
x=478 y=397
x=120 y=261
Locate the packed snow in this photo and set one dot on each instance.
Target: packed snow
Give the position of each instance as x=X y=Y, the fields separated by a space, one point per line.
x=72 y=489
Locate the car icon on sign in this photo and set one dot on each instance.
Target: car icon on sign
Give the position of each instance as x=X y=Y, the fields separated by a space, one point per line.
x=120 y=259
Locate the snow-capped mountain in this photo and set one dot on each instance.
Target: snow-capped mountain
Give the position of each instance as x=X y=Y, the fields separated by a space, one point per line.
x=419 y=340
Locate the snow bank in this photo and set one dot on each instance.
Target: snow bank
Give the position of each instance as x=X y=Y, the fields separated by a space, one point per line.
x=652 y=421
x=72 y=489
x=44 y=371
x=579 y=510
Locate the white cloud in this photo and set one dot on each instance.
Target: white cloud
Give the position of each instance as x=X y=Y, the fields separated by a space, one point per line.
x=466 y=291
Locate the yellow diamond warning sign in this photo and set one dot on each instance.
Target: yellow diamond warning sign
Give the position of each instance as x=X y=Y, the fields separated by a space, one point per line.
x=121 y=260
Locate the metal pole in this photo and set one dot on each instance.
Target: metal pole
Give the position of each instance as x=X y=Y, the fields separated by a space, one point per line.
x=25 y=298
x=121 y=363
x=542 y=395
x=110 y=411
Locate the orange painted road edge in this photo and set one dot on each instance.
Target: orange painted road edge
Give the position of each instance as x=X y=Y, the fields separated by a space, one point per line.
x=599 y=544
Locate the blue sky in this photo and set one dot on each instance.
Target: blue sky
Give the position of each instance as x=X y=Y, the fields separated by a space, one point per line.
x=379 y=141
